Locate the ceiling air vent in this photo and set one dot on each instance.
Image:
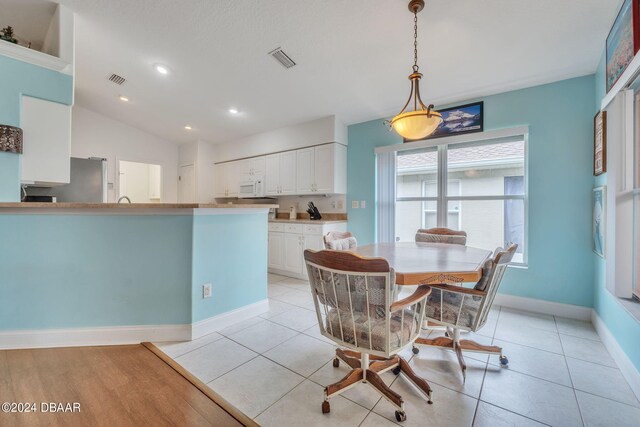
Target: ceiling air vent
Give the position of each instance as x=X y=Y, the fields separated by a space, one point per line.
x=284 y=60
x=119 y=80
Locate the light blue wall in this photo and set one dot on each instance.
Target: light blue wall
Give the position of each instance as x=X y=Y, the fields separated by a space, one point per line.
x=624 y=327
x=18 y=78
x=559 y=117
x=71 y=271
x=225 y=250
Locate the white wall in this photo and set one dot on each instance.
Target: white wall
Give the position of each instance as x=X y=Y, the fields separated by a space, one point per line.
x=95 y=135
x=201 y=155
x=327 y=129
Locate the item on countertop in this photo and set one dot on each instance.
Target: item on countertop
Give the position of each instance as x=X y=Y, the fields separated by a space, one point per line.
x=313 y=212
x=10 y=139
x=7 y=35
x=292 y=212
x=272 y=213
x=623 y=41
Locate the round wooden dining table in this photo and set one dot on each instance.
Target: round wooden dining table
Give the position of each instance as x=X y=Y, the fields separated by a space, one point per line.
x=425 y=263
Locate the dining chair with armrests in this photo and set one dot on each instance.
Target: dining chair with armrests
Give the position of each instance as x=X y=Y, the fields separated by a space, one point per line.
x=441 y=235
x=464 y=309
x=339 y=240
x=353 y=301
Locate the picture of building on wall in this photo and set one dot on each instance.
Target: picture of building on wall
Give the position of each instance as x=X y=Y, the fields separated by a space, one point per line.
x=599 y=220
x=622 y=43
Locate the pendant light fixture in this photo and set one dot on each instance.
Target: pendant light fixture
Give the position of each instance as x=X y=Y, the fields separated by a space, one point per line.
x=423 y=120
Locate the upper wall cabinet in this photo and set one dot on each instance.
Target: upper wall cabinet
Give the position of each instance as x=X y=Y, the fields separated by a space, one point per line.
x=47 y=142
x=252 y=169
x=227 y=179
x=322 y=169
x=280 y=174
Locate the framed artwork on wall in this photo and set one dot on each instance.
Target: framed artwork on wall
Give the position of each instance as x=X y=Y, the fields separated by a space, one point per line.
x=468 y=118
x=599 y=220
x=623 y=41
x=600 y=143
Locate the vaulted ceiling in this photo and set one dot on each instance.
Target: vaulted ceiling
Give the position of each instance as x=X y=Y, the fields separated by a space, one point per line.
x=353 y=57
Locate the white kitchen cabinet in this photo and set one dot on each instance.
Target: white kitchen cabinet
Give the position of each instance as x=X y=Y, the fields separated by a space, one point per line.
x=251 y=169
x=322 y=169
x=276 y=251
x=288 y=241
x=305 y=178
x=227 y=179
x=47 y=141
x=288 y=172
x=280 y=173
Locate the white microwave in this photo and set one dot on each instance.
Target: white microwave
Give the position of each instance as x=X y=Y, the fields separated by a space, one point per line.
x=251 y=189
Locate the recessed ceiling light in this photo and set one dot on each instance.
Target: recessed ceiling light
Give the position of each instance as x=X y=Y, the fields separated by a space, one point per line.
x=162 y=69
x=187 y=127
x=233 y=110
x=123 y=98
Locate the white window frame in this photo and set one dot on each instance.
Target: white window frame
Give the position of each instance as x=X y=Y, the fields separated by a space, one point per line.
x=442 y=144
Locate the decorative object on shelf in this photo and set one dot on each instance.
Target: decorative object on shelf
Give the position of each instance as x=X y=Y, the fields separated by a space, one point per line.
x=422 y=120
x=599 y=220
x=600 y=143
x=7 y=35
x=10 y=139
x=458 y=120
x=623 y=41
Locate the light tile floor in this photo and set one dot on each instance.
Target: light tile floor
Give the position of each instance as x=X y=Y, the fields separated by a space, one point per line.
x=273 y=367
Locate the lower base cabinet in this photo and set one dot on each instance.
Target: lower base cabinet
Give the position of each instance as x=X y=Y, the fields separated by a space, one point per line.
x=288 y=241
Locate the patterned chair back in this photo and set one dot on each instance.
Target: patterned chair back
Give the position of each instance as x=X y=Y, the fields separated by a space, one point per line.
x=491 y=280
x=339 y=240
x=441 y=235
x=352 y=296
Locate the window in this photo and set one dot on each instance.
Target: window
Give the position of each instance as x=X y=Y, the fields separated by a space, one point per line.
x=475 y=186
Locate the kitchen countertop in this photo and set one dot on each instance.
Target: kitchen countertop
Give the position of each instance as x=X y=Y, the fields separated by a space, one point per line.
x=36 y=205
x=309 y=221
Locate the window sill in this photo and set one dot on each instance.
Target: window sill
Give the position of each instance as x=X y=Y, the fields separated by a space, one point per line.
x=631 y=306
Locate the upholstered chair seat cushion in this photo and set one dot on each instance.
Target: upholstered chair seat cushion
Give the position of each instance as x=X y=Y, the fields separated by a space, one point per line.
x=452 y=308
x=370 y=332
x=342 y=244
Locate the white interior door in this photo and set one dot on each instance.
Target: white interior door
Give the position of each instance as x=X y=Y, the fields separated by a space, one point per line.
x=187 y=184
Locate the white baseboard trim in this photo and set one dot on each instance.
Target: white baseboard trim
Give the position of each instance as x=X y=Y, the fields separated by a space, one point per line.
x=544 y=307
x=215 y=323
x=629 y=371
x=76 y=337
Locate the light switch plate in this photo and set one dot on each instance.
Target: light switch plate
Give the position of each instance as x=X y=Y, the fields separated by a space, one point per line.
x=363 y=204
x=355 y=204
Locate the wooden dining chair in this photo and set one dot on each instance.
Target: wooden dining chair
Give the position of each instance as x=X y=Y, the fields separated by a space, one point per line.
x=464 y=309
x=353 y=301
x=441 y=235
x=339 y=240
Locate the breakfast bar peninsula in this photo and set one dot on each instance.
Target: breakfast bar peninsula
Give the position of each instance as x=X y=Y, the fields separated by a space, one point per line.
x=83 y=274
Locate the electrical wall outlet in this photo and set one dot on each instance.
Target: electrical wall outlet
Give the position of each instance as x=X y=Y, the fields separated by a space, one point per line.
x=339 y=204
x=206 y=290
x=363 y=204
x=355 y=204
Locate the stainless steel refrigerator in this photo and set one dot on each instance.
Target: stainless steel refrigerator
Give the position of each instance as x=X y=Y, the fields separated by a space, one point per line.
x=88 y=182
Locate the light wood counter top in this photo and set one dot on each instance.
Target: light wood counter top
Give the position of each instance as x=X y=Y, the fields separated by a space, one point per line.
x=309 y=221
x=126 y=206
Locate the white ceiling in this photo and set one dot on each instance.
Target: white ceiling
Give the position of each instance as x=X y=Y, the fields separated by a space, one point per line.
x=353 y=57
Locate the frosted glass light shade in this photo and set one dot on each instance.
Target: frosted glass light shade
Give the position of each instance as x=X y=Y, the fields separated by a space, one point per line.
x=416 y=124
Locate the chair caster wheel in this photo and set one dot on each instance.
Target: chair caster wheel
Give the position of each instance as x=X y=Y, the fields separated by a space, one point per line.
x=504 y=362
x=326 y=408
x=396 y=370
x=415 y=350
x=336 y=362
x=401 y=416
